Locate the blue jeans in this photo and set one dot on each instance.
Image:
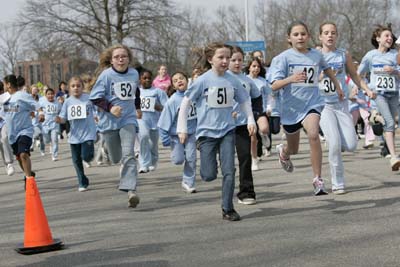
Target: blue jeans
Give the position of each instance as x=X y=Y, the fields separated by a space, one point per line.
x=120 y=145
x=52 y=137
x=148 y=139
x=83 y=151
x=387 y=106
x=185 y=153
x=225 y=146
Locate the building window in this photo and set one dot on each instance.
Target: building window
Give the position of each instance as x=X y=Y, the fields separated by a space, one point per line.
x=38 y=73
x=31 y=74
x=20 y=71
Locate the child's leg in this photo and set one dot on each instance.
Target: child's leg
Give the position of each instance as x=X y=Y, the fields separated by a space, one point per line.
x=154 y=147
x=208 y=147
x=145 y=154
x=227 y=159
x=189 y=169
x=54 y=142
x=76 y=152
x=311 y=125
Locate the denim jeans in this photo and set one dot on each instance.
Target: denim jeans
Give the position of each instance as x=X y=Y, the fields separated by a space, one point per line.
x=387 y=106
x=148 y=140
x=52 y=136
x=5 y=148
x=37 y=135
x=120 y=145
x=185 y=153
x=83 y=151
x=225 y=146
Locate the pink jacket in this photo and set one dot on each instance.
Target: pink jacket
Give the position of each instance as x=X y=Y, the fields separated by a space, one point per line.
x=162 y=83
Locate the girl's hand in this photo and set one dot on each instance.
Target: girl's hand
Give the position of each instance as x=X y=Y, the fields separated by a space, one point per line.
x=340 y=93
x=371 y=94
x=234 y=114
x=139 y=114
x=116 y=111
x=299 y=77
x=58 y=119
x=252 y=128
x=389 y=69
x=182 y=137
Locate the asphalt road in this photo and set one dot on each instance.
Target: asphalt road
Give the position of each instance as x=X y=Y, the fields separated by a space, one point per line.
x=288 y=226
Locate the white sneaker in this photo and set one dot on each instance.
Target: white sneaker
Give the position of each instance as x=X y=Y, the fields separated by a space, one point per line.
x=54 y=158
x=83 y=189
x=188 y=189
x=10 y=169
x=265 y=140
x=99 y=163
x=42 y=153
x=247 y=201
x=38 y=143
x=86 y=164
x=254 y=164
x=339 y=191
x=143 y=170
x=153 y=167
x=267 y=153
x=133 y=199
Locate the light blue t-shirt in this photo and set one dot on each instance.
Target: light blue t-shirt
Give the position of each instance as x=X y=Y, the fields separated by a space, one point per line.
x=251 y=89
x=79 y=113
x=17 y=114
x=337 y=62
x=51 y=111
x=380 y=81
x=148 y=99
x=297 y=99
x=264 y=88
x=169 y=116
x=119 y=89
x=214 y=97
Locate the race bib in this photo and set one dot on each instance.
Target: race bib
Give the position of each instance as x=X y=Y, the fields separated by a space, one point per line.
x=311 y=75
x=385 y=82
x=125 y=90
x=51 y=109
x=77 y=112
x=327 y=87
x=220 y=97
x=148 y=104
x=192 y=112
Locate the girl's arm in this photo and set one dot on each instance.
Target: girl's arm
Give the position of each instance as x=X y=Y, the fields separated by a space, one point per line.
x=351 y=70
x=181 y=127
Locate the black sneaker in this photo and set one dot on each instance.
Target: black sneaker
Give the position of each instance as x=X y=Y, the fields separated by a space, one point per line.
x=230 y=215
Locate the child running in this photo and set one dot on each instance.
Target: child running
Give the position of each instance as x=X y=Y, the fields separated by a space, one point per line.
x=186 y=152
x=295 y=72
x=17 y=107
x=336 y=121
x=382 y=64
x=152 y=101
x=50 y=108
x=214 y=93
x=246 y=194
x=114 y=93
x=78 y=110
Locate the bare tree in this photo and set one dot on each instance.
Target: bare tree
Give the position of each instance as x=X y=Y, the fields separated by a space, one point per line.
x=10 y=47
x=94 y=23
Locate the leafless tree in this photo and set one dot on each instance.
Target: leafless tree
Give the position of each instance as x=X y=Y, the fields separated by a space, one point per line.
x=10 y=47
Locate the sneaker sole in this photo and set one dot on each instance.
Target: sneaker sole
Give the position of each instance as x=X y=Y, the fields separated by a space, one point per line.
x=396 y=166
x=133 y=202
x=247 y=203
x=320 y=192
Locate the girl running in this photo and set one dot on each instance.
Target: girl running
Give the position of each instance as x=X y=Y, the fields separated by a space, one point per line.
x=246 y=194
x=50 y=108
x=214 y=93
x=114 y=93
x=336 y=120
x=295 y=72
x=152 y=102
x=382 y=64
x=78 y=110
x=186 y=152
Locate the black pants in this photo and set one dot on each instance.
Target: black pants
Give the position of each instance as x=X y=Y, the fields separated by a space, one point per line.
x=243 y=143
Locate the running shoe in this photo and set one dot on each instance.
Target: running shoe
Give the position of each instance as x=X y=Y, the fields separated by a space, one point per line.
x=395 y=162
x=254 y=164
x=319 y=188
x=133 y=199
x=285 y=162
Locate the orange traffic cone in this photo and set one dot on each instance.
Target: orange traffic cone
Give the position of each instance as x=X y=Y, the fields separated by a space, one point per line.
x=37 y=237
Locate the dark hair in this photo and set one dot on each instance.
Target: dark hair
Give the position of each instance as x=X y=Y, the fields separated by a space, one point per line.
x=237 y=49
x=1 y=86
x=12 y=80
x=377 y=33
x=61 y=83
x=20 y=81
x=179 y=72
x=294 y=24
x=143 y=71
x=262 y=69
x=49 y=90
